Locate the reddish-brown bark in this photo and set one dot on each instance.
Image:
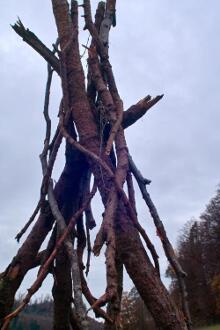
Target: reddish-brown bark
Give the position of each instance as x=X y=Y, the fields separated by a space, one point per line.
x=120 y=228
x=89 y=138
x=146 y=279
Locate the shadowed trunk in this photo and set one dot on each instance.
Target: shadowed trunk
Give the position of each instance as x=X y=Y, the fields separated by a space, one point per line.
x=62 y=292
x=66 y=191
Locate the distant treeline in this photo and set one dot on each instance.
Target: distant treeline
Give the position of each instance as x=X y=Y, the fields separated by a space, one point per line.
x=199 y=254
x=38 y=315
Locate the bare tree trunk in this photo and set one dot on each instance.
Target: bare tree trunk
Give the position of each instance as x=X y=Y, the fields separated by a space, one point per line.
x=147 y=281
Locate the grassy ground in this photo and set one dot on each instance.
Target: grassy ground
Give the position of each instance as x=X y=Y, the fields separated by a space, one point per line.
x=213 y=327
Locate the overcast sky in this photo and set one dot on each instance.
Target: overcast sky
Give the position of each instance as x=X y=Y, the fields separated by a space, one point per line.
x=158 y=46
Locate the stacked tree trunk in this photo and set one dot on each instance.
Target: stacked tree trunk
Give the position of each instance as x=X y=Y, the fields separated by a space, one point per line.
x=92 y=123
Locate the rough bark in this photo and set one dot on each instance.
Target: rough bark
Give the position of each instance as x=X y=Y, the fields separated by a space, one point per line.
x=114 y=309
x=119 y=223
x=11 y=279
x=146 y=279
x=169 y=318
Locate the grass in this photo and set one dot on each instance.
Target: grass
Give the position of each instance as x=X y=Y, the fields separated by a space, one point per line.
x=212 y=327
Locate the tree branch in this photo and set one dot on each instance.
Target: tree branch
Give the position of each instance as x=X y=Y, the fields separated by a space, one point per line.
x=45 y=149
x=31 y=219
x=130 y=116
x=32 y=40
x=108 y=21
x=91 y=299
x=138 y=110
x=161 y=232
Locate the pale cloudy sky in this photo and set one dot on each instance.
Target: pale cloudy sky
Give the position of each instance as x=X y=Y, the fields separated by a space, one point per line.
x=158 y=46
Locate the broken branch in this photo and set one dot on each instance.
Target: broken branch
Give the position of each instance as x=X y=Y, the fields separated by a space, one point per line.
x=138 y=110
x=32 y=40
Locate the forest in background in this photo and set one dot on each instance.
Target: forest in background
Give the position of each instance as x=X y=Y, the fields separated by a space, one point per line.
x=38 y=315
x=198 y=252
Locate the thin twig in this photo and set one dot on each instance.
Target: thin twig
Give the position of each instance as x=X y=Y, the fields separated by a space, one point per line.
x=89 y=248
x=90 y=223
x=27 y=225
x=45 y=149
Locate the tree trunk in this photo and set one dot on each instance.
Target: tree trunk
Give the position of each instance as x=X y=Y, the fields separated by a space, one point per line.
x=147 y=281
x=62 y=292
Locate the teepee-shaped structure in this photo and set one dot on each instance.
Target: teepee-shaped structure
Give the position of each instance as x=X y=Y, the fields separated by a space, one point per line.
x=92 y=121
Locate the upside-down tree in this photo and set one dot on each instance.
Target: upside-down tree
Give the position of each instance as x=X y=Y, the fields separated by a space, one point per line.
x=92 y=122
